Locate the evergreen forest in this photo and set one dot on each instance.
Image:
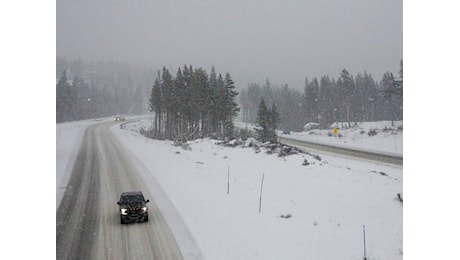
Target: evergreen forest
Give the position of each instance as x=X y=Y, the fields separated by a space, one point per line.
x=192 y=103
x=348 y=99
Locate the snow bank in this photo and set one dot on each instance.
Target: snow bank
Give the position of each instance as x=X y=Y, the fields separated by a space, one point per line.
x=329 y=201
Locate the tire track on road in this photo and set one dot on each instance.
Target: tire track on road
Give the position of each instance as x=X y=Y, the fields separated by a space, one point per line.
x=87 y=220
x=79 y=201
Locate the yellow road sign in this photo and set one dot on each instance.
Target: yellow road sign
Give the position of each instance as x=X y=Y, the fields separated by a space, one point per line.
x=335 y=131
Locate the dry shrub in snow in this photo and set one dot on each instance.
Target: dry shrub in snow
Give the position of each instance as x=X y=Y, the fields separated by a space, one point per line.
x=286 y=216
x=305 y=162
x=372 y=132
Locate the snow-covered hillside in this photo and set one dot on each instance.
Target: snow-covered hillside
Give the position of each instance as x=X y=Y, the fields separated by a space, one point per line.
x=328 y=201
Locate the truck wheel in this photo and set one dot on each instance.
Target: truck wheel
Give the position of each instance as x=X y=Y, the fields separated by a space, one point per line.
x=122 y=220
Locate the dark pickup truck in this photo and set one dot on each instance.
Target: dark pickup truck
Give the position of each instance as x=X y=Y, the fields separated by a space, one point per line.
x=133 y=207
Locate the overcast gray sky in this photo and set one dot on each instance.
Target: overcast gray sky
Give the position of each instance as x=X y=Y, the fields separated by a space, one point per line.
x=285 y=40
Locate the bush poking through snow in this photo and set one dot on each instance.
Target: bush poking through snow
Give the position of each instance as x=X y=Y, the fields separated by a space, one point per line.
x=305 y=162
x=381 y=173
x=251 y=142
x=317 y=157
x=270 y=148
x=231 y=142
x=400 y=198
x=372 y=132
x=287 y=150
x=286 y=216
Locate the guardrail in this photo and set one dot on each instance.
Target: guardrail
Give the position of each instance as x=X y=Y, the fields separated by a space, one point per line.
x=364 y=154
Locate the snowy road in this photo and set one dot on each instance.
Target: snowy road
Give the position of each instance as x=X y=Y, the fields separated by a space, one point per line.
x=87 y=221
x=351 y=152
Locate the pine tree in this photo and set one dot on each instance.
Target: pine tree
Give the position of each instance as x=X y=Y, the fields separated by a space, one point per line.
x=392 y=85
x=230 y=106
x=347 y=94
x=311 y=99
x=188 y=100
x=156 y=105
x=181 y=99
x=244 y=101
x=254 y=96
x=263 y=122
x=287 y=107
x=273 y=123
x=201 y=100
x=326 y=101
x=63 y=99
x=214 y=96
x=392 y=96
x=366 y=90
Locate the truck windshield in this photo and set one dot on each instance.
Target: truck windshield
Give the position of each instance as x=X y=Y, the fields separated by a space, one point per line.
x=131 y=199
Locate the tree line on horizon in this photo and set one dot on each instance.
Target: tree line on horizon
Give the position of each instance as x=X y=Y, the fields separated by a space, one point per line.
x=195 y=104
x=348 y=99
x=87 y=90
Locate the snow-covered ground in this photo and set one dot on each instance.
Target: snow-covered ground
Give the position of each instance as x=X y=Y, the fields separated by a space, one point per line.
x=388 y=138
x=329 y=200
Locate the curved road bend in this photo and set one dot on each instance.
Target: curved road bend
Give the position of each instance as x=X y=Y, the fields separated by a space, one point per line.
x=87 y=220
x=385 y=158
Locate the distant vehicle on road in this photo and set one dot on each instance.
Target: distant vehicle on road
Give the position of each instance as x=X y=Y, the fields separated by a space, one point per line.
x=133 y=208
x=119 y=118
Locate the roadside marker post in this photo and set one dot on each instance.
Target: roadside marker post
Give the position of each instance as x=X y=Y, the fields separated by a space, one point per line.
x=228 y=180
x=364 y=235
x=261 y=188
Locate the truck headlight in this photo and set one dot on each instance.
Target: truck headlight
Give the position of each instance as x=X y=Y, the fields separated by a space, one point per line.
x=144 y=209
x=123 y=211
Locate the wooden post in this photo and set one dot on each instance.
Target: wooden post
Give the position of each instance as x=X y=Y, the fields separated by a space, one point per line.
x=261 y=188
x=364 y=235
x=228 y=180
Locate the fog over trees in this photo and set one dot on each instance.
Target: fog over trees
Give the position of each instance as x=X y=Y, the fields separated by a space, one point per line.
x=90 y=90
x=311 y=60
x=191 y=102
x=348 y=98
